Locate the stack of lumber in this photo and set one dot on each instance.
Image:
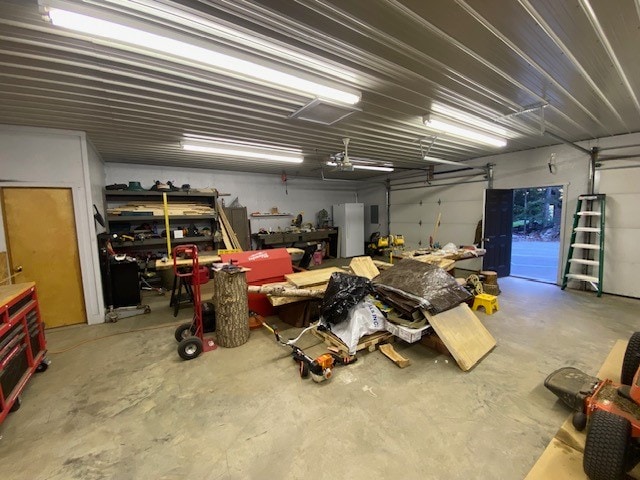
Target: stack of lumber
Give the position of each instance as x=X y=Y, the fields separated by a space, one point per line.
x=229 y=237
x=157 y=209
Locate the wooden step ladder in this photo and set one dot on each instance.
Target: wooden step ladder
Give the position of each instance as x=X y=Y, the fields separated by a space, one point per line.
x=588 y=253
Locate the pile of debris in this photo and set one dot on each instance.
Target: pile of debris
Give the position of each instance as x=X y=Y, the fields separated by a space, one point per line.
x=362 y=308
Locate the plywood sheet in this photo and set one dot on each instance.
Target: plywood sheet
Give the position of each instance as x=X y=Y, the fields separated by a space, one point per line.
x=563 y=456
x=10 y=292
x=312 y=277
x=465 y=337
x=4 y=269
x=364 y=267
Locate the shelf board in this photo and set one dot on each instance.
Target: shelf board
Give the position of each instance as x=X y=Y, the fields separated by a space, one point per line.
x=153 y=193
x=150 y=242
x=259 y=215
x=140 y=218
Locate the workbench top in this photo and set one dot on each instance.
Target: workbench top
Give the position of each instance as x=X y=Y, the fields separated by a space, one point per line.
x=10 y=292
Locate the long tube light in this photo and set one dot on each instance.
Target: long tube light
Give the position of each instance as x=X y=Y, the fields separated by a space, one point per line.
x=443 y=161
x=365 y=167
x=450 y=162
x=443 y=126
x=243 y=151
x=121 y=33
x=468 y=118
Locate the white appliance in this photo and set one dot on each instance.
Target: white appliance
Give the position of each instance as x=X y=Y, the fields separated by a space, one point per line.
x=349 y=218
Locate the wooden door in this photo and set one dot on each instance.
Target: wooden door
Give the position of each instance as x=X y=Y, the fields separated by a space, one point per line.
x=41 y=237
x=498 y=223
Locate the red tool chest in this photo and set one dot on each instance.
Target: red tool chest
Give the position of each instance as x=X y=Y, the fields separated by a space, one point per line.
x=22 y=342
x=267 y=266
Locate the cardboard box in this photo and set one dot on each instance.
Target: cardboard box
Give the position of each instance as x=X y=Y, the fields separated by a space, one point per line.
x=407 y=334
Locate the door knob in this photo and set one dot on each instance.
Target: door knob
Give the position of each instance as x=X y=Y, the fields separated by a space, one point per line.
x=486 y=239
x=18 y=269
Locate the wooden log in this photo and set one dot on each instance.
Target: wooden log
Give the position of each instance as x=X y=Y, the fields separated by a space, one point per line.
x=490 y=277
x=232 y=308
x=390 y=352
x=282 y=291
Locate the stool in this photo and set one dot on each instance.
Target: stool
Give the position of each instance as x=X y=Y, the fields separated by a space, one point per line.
x=489 y=302
x=187 y=282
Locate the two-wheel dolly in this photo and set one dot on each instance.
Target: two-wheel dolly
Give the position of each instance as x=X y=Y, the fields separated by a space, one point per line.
x=190 y=336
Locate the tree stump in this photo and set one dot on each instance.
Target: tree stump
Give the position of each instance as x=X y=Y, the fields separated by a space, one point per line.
x=232 y=308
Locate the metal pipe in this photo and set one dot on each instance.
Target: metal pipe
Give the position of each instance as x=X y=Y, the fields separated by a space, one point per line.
x=621 y=167
x=440 y=185
x=593 y=160
x=447 y=178
x=388 y=200
x=602 y=149
x=618 y=157
x=564 y=140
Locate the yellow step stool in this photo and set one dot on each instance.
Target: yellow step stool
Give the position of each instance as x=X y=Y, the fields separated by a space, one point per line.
x=489 y=302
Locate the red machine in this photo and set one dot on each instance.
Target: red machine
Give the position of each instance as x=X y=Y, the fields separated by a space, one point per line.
x=612 y=411
x=191 y=335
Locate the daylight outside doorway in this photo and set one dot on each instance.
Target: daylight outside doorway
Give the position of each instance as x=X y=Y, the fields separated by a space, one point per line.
x=537 y=214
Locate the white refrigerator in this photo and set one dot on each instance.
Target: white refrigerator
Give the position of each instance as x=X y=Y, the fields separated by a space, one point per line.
x=349 y=218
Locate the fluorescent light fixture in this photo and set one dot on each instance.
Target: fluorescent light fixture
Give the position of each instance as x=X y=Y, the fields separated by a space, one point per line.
x=468 y=118
x=231 y=149
x=443 y=161
x=220 y=61
x=443 y=126
x=365 y=167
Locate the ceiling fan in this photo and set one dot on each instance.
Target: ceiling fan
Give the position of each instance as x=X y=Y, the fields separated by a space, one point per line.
x=340 y=161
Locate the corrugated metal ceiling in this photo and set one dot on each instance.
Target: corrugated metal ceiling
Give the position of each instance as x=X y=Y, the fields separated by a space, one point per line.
x=488 y=57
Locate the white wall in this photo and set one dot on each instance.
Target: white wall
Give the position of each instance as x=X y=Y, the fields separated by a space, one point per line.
x=257 y=192
x=37 y=157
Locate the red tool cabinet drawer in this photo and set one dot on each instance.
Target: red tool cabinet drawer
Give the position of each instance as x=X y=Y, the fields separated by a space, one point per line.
x=22 y=343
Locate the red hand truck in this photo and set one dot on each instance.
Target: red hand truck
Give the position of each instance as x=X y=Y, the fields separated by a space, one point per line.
x=191 y=335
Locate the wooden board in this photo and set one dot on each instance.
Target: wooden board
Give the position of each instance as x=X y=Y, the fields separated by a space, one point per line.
x=232 y=237
x=364 y=267
x=390 y=352
x=4 y=269
x=312 y=277
x=382 y=265
x=10 y=292
x=203 y=259
x=563 y=456
x=463 y=334
x=368 y=341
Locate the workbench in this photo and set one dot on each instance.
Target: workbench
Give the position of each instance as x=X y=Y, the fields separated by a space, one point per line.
x=270 y=240
x=206 y=258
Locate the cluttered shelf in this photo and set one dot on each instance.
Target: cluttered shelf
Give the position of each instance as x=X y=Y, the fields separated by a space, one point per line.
x=162 y=241
x=139 y=218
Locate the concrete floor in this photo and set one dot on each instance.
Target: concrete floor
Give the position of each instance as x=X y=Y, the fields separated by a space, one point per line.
x=126 y=406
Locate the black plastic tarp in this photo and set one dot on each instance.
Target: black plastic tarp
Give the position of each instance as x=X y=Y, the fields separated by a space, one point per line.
x=411 y=284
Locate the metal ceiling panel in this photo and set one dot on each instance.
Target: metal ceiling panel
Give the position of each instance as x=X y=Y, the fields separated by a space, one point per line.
x=485 y=57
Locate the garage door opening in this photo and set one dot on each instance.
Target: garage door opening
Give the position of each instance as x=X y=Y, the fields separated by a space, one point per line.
x=535 y=247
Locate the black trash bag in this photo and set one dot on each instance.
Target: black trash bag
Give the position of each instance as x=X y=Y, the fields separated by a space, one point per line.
x=343 y=293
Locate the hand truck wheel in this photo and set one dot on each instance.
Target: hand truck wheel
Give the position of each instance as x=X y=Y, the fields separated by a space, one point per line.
x=183 y=331
x=303 y=368
x=189 y=348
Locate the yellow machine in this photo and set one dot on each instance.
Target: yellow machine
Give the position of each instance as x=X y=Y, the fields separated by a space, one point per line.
x=381 y=245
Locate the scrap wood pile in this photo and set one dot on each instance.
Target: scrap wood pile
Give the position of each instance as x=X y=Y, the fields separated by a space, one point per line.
x=156 y=209
x=406 y=299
